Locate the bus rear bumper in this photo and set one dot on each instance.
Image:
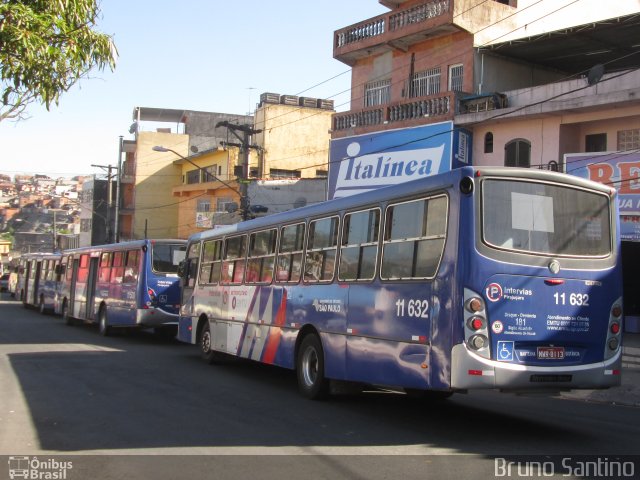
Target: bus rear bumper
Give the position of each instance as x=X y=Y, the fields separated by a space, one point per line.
x=155 y=317
x=470 y=371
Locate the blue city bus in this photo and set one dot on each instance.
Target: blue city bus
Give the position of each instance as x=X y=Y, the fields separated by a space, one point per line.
x=125 y=285
x=38 y=278
x=479 y=278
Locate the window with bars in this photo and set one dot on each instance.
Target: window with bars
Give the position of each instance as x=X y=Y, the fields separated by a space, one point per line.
x=425 y=83
x=456 y=76
x=377 y=93
x=629 y=139
x=204 y=205
x=282 y=173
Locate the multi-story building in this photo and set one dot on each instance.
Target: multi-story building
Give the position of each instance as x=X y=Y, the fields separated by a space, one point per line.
x=293 y=137
x=550 y=85
x=413 y=65
x=148 y=207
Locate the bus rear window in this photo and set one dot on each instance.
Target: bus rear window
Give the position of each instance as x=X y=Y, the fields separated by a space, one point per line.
x=544 y=218
x=167 y=257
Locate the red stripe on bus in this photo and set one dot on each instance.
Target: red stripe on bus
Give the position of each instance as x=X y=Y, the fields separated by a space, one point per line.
x=275 y=332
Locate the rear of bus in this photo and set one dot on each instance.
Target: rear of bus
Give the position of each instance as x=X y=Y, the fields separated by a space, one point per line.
x=159 y=293
x=541 y=289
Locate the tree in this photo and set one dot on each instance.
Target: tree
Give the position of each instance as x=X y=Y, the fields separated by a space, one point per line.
x=46 y=46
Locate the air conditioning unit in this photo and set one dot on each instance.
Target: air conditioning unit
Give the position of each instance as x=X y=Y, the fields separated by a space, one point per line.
x=308 y=102
x=269 y=98
x=289 y=100
x=324 y=104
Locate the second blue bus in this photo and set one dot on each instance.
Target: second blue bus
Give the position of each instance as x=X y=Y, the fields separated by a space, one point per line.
x=125 y=285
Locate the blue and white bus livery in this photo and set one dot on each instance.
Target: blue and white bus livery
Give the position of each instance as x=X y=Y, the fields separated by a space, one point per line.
x=498 y=278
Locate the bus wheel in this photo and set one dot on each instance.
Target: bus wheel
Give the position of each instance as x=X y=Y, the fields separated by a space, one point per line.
x=310 y=369
x=65 y=314
x=206 y=349
x=104 y=328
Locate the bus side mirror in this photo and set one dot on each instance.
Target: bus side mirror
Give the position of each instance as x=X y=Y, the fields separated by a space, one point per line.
x=183 y=269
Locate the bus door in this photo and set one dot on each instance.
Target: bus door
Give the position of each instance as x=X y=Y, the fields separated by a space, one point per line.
x=91 y=288
x=26 y=276
x=36 y=282
x=72 y=287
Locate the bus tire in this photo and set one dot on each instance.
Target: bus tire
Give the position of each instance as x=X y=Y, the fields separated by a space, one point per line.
x=205 y=342
x=103 y=325
x=310 y=369
x=65 y=314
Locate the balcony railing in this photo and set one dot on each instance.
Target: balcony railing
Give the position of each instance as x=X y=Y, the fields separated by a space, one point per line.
x=433 y=106
x=391 y=22
x=418 y=14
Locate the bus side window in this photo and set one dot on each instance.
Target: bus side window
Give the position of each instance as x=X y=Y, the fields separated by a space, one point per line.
x=234 y=259
x=414 y=238
x=69 y=267
x=322 y=245
x=289 y=262
x=105 y=267
x=117 y=272
x=359 y=249
x=190 y=265
x=262 y=254
x=131 y=267
x=83 y=270
x=211 y=263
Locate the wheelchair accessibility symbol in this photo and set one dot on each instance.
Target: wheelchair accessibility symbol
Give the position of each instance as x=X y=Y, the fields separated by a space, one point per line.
x=505 y=351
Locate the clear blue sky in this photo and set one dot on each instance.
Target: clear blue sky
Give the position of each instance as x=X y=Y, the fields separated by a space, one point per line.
x=190 y=54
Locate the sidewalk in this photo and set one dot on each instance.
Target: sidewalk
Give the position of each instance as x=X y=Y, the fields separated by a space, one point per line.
x=629 y=392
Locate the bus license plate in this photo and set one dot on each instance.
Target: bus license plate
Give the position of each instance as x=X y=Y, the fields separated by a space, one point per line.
x=550 y=353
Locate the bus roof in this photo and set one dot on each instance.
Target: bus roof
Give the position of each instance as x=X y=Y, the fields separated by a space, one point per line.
x=433 y=183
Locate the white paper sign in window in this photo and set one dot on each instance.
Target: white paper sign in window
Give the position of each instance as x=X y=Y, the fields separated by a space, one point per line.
x=531 y=212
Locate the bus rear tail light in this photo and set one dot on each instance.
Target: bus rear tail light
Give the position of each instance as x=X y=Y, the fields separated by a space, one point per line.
x=153 y=298
x=476 y=334
x=474 y=304
x=478 y=342
x=475 y=323
x=615 y=330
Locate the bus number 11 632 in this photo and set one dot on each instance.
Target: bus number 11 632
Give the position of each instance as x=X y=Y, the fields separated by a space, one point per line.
x=414 y=308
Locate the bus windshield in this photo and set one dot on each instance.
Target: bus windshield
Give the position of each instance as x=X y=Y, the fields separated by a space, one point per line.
x=543 y=218
x=167 y=257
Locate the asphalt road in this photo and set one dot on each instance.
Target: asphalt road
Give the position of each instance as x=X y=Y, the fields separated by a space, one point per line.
x=139 y=406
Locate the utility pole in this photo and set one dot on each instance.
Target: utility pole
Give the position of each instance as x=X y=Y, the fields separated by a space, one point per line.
x=245 y=146
x=118 y=179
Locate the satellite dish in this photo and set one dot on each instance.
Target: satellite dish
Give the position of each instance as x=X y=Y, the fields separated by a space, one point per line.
x=595 y=74
x=194 y=149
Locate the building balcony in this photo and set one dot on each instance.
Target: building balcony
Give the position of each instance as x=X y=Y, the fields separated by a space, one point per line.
x=406 y=113
x=206 y=188
x=396 y=30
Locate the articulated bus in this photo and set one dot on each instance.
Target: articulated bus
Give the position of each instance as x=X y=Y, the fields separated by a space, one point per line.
x=479 y=278
x=37 y=281
x=131 y=284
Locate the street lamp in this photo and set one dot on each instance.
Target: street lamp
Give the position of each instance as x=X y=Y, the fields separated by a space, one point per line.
x=243 y=199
